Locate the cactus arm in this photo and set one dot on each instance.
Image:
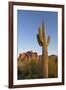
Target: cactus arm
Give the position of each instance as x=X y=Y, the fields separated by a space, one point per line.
x=39 y=41
x=48 y=40
x=40 y=34
x=44 y=32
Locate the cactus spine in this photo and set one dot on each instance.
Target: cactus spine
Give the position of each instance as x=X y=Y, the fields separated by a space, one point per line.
x=41 y=36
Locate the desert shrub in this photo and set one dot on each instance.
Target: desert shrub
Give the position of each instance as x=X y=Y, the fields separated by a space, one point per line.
x=32 y=69
x=29 y=70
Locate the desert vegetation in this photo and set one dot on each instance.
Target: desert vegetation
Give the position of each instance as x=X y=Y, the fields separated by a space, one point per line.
x=32 y=69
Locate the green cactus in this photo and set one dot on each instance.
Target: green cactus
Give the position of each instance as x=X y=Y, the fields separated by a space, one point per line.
x=44 y=42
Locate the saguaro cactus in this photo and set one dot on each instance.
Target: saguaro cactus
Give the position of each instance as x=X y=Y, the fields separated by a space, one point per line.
x=44 y=42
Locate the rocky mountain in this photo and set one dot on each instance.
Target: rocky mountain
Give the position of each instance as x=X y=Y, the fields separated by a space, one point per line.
x=29 y=55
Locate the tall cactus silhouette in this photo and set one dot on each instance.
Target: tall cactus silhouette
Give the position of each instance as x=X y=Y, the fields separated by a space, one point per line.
x=44 y=42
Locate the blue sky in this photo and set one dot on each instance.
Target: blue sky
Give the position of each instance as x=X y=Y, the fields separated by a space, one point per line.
x=28 y=23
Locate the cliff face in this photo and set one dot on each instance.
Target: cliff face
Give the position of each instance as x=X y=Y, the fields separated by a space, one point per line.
x=28 y=56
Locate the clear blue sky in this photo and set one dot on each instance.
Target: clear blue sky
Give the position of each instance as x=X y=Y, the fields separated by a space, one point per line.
x=28 y=23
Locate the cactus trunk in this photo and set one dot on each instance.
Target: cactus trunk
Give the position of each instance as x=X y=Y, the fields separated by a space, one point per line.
x=45 y=62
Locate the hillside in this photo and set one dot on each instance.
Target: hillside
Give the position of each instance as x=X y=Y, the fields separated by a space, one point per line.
x=53 y=66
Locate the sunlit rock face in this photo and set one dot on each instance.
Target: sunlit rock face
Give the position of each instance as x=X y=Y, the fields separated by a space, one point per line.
x=29 y=55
